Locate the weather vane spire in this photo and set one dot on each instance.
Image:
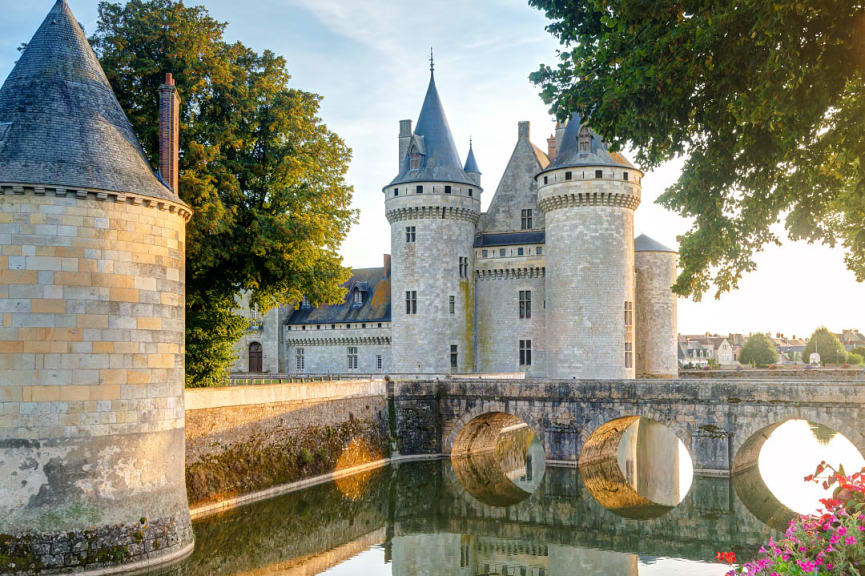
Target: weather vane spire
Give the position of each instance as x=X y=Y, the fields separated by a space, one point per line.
x=431 y=62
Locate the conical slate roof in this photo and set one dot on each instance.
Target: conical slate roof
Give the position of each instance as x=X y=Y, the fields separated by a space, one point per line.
x=440 y=161
x=60 y=123
x=643 y=243
x=471 y=163
x=569 y=155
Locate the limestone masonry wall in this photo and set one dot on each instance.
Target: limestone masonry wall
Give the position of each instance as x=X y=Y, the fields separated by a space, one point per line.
x=245 y=439
x=91 y=356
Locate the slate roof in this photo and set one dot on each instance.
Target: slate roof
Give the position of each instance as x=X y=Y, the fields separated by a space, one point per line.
x=510 y=238
x=374 y=283
x=471 y=163
x=643 y=243
x=569 y=155
x=440 y=161
x=63 y=125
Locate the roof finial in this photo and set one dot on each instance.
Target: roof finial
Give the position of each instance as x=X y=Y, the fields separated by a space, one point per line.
x=470 y=141
x=431 y=61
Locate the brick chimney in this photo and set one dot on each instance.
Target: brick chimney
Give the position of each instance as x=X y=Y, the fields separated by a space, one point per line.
x=387 y=265
x=169 y=132
x=551 y=147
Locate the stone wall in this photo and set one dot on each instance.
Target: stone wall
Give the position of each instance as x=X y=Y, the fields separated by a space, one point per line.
x=91 y=392
x=246 y=439
x=780 y=375
x=325 y=348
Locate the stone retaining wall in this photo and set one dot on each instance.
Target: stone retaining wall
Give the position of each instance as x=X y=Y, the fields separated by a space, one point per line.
x=249 y=438
x=797 y=374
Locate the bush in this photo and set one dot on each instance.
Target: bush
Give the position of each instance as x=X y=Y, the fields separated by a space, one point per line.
x=831 y=543
x=855 y=359
x=759 y=351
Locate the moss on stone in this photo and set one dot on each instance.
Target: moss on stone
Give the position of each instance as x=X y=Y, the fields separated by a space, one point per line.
x=17 y=555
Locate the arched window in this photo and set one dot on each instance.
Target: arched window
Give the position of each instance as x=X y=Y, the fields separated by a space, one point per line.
x=255 y=357
x=585 y=140
x=358 y=298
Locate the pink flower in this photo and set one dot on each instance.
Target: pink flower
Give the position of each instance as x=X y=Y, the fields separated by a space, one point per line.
x=849 y=540
x=841 y=530
x=806 y=566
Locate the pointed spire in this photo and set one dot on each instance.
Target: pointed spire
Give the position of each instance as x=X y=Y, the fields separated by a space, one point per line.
x=440 y=160
x=65 y=126
x=471 y=164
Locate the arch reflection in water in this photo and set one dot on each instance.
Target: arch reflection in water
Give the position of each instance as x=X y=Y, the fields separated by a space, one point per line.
x=769 y=468
x=636 y=467
x=499 y=470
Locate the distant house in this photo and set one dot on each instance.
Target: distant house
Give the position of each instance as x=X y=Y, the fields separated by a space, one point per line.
x=701 y=350
x=851 y=338
x=789 y=349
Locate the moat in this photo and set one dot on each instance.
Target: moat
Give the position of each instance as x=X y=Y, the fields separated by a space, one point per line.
x=505 y=512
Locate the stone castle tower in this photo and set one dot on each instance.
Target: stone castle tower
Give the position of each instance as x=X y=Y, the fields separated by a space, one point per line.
x=433 y=206
x=92 y=250
x=588 y=197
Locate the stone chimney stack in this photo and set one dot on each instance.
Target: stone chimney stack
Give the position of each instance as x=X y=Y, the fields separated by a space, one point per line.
x=387 y=265
x=551 y=147
x=560 y=131
x=169 y=132
x=404 y=139
x=523 y=130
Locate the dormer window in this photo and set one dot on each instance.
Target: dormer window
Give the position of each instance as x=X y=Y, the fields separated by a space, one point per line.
x=585 y=140
x=358 y=298
x=305 y=303
x=414 y=158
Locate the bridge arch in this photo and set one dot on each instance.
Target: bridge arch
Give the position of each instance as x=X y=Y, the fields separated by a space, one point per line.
x=478 y=428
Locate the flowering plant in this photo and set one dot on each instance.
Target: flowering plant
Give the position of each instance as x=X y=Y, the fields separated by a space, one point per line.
x=831 y=542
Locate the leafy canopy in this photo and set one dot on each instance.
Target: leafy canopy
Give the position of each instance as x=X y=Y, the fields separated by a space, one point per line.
x=766 y=99
x=759 y=351
x=827 y=345
x=263 y=174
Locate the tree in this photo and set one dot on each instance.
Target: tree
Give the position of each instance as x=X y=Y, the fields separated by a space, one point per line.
x=766 y=99
x=860 y=350
x=758 y=351
x=827 y=345
x=855 y=359
x=263 y=174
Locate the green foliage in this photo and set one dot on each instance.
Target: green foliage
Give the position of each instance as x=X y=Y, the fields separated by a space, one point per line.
x=855 y=359
x=263 y=174
x=860 y=350
x=827 y=345
x=767 y=100
x=758 y=351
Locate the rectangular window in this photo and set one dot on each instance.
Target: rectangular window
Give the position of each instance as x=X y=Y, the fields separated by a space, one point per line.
x=298 y=359
x=624 y=175
x=471 y=192
x=454 y=356
x=502 y=252
x=352 y=357
x=447 y=189
x=629 y=355
x=546 y=180
x=452 y=303
x=539 y=250
x=484 y=253
x=525 y=304
x=568 y=175
x=396 y=191
x=419 y=189
x=599 y=173
x=520 y=251
x=629 y=313
x=526 y=219
x=410 y=234
x=358 y=298
x=378 y=363
x=525 y=352
x=464 y=267
x=411 y=302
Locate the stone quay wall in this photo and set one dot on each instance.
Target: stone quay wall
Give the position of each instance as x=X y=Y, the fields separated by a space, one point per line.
x=246 y=439
x=785 y=374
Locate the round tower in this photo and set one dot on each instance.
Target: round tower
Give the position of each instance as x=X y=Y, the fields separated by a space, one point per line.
x=588 y=197
x=92 y=333
x=656 y=317
x=433 y=207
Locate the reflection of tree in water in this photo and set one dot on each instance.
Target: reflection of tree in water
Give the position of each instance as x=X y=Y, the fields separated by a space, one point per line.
x=504 y=476
x=823 y=434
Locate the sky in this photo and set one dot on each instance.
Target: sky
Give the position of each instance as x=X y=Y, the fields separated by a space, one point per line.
x=369 y=61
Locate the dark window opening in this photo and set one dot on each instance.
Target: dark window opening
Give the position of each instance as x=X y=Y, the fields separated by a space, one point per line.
x=410 y=234
x=599 y=173
x=419 y=189
x=526 y=219
x=568 y=175
x=411 y=302
x=471 y=192
x=624 y=175
x=447 y=189
x=525 y=352
x=454 y=356
x=452 y=301
x=396 y=191
x=525 y=304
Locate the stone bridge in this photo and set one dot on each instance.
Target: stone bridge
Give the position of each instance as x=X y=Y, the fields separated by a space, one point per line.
x=724 y=423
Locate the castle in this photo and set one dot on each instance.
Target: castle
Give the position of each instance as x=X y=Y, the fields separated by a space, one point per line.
x=549 y=281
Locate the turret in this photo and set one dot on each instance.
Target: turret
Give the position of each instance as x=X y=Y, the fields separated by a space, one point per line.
x=471 y=167
x=588 y=196
x=432 y=206
x=656 y=315
x=92 y=360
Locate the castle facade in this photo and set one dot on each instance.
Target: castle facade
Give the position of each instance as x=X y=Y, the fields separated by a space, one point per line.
x=549 y=281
